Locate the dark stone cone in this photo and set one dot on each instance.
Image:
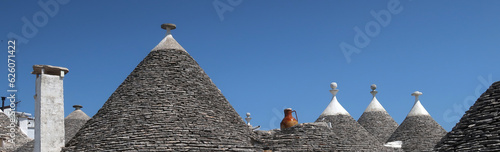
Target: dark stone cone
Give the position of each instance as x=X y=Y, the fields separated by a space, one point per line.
x=379 y=124
x=167 y=103
x=478 y=129
x=350 y=135
x=418 y=133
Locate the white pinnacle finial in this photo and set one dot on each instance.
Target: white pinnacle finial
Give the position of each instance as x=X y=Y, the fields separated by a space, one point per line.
x=168 y=27
x=334 y=90
x=416 y=94
x=373 y=92
x=334 y=108
x=374 y=104
x=248 y=119
x=333 y=85
x=417 y=109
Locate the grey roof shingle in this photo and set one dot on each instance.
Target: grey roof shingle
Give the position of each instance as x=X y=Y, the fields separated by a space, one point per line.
x=317 y=136
x=376 y=120
x=19 y=137
x=419 y=131
x=167 y=103
x=73 y=122
x=378 y=123
x=478 y=129
x=349 y=132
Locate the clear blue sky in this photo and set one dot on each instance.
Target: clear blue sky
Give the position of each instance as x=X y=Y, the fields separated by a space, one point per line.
x=269 y=55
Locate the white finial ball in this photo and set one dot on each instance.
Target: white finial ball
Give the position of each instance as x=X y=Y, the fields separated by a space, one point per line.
x=333 y=85
x=373 y=86
x=248 y=114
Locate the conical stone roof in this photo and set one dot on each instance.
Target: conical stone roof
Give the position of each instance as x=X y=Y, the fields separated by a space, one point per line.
x=376 y=120
x=5 y=132
x=419 y=131
x=478 y=129
x=73 y=122
x=348 y=132
x=167 y=103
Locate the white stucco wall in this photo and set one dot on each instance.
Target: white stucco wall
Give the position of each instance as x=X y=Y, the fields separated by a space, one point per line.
x=49 y=113
x=23 y=124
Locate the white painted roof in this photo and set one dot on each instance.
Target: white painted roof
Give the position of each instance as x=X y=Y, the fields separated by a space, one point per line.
x=334 y=108
x=374 y=105
x=418 y=109
x=168 y=43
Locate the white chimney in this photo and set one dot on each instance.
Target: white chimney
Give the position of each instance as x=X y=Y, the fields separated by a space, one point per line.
x=49 y=108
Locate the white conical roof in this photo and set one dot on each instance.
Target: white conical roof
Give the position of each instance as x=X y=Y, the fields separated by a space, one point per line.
x=168 y=43
x=418 y=109
x=374 y=105
x=419 y=131
x=334 y=108
x=376 y=120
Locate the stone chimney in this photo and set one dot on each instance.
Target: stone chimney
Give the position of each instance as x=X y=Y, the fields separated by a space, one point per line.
x=49 y=108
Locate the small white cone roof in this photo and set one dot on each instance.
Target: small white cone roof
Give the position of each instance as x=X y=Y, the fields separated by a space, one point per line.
x=168 y=43
x=374 y=105
x=334 y=108
x=418 y=109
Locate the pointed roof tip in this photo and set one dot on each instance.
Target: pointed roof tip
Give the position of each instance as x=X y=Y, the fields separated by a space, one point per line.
x=77 y=114
x=334 y=108
x=374 y=104
x=418 y=109
x=168 y=43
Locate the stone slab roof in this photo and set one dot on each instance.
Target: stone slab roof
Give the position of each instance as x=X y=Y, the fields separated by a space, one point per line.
x=316 y=136
x=19 y=139
x=379 y=124
x=349 y=132
x=27 y=147
x=478 y=129
x=73 y=122
x=167 y=103
x=376 y=120
x=418 y=133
